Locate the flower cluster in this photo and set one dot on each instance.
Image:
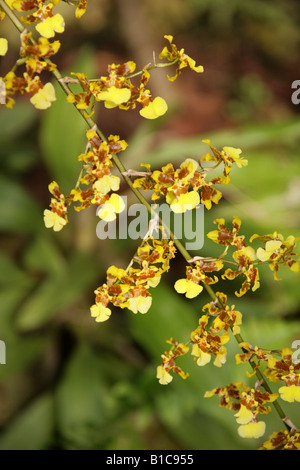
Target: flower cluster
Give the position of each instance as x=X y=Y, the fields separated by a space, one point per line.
x=209 y=338
x=174 y=184
x=228 y=156
x=169 y=362
x=243 y=255
x=56 y=218
x=174 y=55
x=116 y=89
x=249 y=353
x=282 y=440
x=196 y=274
x=34 y=55
x=285 y=370
x=96 y=175
x=248 y=403
x=130 y=288
x=186 y=187
x=278 y=251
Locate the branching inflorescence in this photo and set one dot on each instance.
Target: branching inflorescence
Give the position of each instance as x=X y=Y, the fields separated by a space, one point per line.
x=182 y=189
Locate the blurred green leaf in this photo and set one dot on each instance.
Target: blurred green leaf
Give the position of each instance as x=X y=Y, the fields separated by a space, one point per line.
x=32 y=429
x=44 y=255
x=62 y=134
x=19 y=211
x=249 y=137
x=82 y=401
x=16 y=122
x=57 y=292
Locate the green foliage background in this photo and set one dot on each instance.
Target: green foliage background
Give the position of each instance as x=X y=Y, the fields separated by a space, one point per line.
x=70 y=383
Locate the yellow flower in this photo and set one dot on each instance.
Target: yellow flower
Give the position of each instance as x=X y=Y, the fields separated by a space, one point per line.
x=203 y=358
x=244 y=415
x=140 y=304
x=113 y=206
x=81 y=9
x=245 y=251
x=271 y=246
x=252 y=430
x=295 y=267
x=184 y=202
x=191 y=166
x=3 y=46
x=163 y=376
x=290 y=394
x=51 y=25
x=44 y=97
x=10 y=3
x=154 y=281
x=113 y=96
x=188 y=287
x=15 y=4
x=107 y=183
x=118 y=273
x=220 y=357
x=155 y=108
x=183 y=59
x=234 y=154
x=53 y=220
x=100 y=312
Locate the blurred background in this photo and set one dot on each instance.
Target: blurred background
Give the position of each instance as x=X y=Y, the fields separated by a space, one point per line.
x=68 y=382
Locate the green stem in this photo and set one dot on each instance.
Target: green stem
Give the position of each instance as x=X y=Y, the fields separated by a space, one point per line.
x=140 y=72
x=91 y=123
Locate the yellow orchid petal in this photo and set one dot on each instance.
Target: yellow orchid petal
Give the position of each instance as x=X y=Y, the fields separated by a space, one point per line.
x=158 y=107
x=15 y=4
x=263 y=254
x=154 y=281
x=203 y=357
x=100 y=312
x=220 y=358
x=140 y=304
x=51 y=25
x=252 y=430
x=53 y=220
x=113 y=96
x=290 y=394
x=117 y=202
x=113 y=206
x=185 y=202
x=187 y=287
x=273 y=245
x=192 y=65
x=116 y=272
x=244 y=415
x=44 y=97
x=295 y=267
x=235 y=155
x=3 y=46
x=163 y=376
x=12 y=4
x=107 y=183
